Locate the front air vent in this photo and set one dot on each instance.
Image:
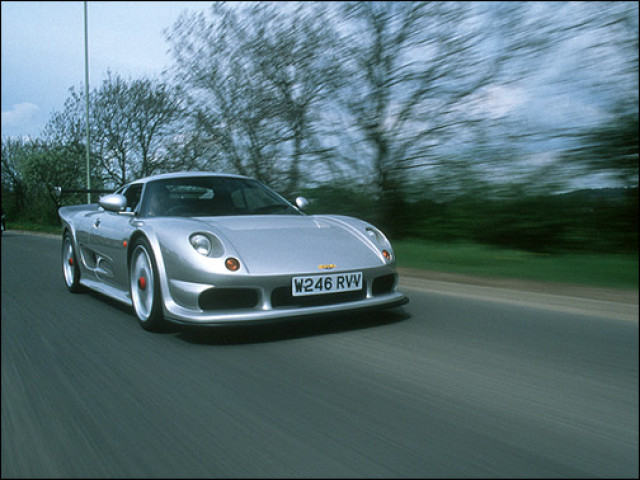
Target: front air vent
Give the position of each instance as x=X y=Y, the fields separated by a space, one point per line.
x=383 y=284
x=228 y=299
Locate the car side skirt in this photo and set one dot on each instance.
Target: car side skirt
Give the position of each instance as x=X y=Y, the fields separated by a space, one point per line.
x=107 y=290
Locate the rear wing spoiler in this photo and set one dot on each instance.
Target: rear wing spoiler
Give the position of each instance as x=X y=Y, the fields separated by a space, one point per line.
x=59 y=191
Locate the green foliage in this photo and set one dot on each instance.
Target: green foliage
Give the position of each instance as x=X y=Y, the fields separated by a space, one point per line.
x=340 y=200
x=611 y=147
x=30 y=171
x=52 y=166
x=604 y=220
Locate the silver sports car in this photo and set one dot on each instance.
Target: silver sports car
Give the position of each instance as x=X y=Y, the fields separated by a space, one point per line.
x=212 y=249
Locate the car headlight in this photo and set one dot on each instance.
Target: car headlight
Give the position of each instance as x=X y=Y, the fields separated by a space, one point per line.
x=371 y=233
x=381 y=241
x=376 y=235
x=201 y=244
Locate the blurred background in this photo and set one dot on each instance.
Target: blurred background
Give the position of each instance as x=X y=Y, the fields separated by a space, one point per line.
x=510 y=124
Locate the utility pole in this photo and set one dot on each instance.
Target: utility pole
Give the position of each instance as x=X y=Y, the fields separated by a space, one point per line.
x=86 y=95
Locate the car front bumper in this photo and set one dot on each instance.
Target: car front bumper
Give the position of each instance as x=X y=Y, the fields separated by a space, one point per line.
x=182 y=300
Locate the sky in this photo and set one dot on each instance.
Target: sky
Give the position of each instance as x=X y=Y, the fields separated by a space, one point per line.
x=43 y=56
x=43 y=51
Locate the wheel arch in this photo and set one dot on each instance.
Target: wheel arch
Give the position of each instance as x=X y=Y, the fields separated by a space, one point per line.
x=67 y=228
x=155 y=321
x=157 y=257
x=137 y=235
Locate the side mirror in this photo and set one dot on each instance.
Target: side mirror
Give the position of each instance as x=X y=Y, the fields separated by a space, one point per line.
x=302 y=203
x=114 y=202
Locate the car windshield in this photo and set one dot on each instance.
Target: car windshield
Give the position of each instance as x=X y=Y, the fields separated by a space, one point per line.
x=212 y=196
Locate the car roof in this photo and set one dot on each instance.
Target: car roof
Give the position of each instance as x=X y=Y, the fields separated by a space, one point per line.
x=166 y=176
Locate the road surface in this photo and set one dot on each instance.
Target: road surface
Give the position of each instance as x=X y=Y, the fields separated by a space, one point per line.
x=458 y=383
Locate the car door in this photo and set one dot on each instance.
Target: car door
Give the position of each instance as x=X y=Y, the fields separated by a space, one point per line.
x=84 y=226
x=110 y=234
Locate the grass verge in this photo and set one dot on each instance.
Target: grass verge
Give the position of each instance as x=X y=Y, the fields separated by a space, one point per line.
x=35 y=227
x=601 y=270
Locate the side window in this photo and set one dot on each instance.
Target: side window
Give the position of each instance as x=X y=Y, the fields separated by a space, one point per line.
x=238 y=199
x=133 y=196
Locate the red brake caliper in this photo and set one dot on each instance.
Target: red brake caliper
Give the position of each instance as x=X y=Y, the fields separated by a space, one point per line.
x=142 y=283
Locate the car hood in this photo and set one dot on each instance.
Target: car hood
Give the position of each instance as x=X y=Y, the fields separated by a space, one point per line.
x=277 y=244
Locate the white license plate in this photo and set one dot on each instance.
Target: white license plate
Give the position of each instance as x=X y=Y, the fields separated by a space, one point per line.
x=322 y=284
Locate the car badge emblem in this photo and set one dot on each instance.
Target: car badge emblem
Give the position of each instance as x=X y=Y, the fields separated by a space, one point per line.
x=326 y=267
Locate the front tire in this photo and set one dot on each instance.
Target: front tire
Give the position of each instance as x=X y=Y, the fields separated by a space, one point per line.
x=70 y=267
x=145 y=287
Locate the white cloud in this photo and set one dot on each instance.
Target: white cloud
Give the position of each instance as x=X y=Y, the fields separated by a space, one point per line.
x=501 y=100
x=497 y=101
x=541 y=159
x=20 y=115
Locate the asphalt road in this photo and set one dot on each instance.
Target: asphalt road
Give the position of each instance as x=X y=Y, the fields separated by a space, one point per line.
x=452 y=385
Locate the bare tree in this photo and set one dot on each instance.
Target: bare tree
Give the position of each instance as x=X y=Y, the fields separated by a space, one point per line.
x=413 y=65
x=154 y=114
x=226 y=102
x=579 y=61
x=255 y=76
x=131 y=124
x=296 y=53
x=66 y=131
